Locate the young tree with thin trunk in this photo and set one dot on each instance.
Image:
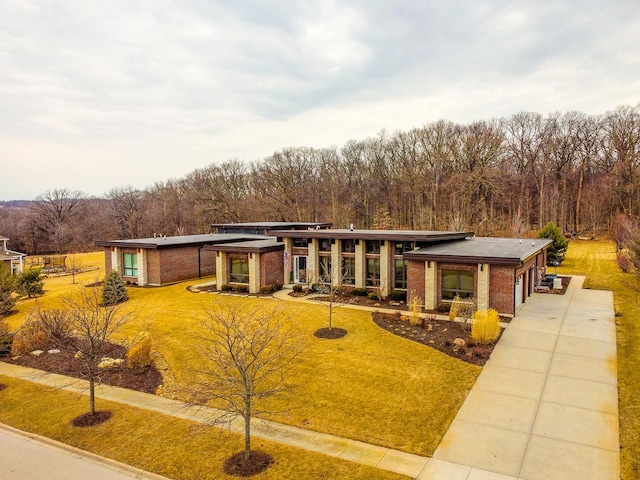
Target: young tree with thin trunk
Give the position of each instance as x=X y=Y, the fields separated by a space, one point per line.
x=85 y=327
x=248 y=352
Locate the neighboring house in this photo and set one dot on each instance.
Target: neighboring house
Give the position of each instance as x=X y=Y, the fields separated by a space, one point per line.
x=499 y=273
x=14 y=261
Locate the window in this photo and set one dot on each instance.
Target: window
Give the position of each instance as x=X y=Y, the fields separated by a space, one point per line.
x=301 y=242
x=401 y=247
x=373 y=272
x=325 y=270
x=349 y=271
x=400 y=277
x=348 y=246
x=373 y=247
x=130 y=264
x=457 y=282
x=239 y=270
x=325 y=245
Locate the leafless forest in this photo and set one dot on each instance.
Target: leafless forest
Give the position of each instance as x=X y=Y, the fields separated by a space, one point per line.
x=495 y=177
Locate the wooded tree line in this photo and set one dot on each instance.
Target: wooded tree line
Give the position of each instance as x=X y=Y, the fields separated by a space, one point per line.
x=495 y=177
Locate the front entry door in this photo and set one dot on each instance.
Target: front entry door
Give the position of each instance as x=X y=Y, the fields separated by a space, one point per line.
x=300 y=269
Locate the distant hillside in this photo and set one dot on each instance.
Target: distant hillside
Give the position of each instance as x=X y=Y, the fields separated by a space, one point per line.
x=15 y=203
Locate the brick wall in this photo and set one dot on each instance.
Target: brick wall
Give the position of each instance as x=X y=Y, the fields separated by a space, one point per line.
x=107 y=260
x=153 y=267
x=177 y=264
x=415 y=278
x=501 y=293
x=271 y=267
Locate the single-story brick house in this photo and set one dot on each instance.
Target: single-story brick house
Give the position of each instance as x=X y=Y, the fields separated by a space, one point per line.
x=499 y=273
x=14 y=261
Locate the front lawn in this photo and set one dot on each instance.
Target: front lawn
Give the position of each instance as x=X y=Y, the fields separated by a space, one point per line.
x=370 y=385
x=597 y=260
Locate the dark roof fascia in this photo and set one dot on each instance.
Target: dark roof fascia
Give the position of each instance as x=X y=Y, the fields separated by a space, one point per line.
x=244 y=248
x=159 y=245
x=394 y=235
x=510 y=261
x=462 y=259
x=272 y=225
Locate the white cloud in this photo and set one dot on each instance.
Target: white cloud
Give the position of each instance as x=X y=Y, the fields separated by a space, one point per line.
x=104 y=94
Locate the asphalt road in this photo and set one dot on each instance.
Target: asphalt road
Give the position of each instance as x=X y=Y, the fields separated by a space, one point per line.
x=25 y=456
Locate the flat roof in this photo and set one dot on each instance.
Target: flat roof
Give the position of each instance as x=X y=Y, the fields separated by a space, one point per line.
x=397 y=235
x=505 y=251
x=155 y=243
x=10 y=255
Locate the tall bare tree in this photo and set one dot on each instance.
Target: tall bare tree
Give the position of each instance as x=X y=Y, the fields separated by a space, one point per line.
x=248 y=352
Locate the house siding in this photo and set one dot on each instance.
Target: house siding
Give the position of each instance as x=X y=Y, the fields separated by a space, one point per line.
x=501 y=285
x=271 y=268
x=416 y=280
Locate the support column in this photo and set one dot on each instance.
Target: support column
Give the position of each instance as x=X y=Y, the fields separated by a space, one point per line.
x=336 y=263
x=142 y=267
x=288 y=263
x=116 y=260
x=361 y=261
x=313 y=272
x=222 y=269
x=483 y=286
x=430 y=284
x=254 y=273
x=386 y=249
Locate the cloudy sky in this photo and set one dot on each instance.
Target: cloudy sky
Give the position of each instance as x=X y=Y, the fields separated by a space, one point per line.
x=95 y=95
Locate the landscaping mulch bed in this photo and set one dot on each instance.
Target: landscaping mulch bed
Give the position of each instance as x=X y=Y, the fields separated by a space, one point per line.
x=258 y=462
x=63 y=363
x=440 y=335
x=330 y=333
x=88 y=420
x=348 y=299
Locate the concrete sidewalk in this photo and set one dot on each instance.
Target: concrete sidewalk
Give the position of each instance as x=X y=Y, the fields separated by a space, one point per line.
x=545 y=406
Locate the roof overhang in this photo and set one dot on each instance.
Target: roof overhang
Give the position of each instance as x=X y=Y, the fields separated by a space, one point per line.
x=393 y=235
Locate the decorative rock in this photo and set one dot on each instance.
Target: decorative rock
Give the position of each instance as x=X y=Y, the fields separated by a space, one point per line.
x=432 y=342
x=37 y=353
x=78 y=355
x=53 y=351
x=110 y=362
x=459 y=342
x=395 y=304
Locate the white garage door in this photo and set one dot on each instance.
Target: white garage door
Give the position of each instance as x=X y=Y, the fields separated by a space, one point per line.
x=518 y=291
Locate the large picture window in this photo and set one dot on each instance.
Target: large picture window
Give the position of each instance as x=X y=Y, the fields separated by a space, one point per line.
x=373 y=272
x=349 y=271
x=239 y=270
x=325 y=269
x=130 y=261
x=457 y=282
x=400 y=277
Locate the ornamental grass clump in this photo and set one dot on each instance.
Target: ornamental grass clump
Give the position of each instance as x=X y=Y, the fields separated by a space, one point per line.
x=139 y=355
x=486 y=326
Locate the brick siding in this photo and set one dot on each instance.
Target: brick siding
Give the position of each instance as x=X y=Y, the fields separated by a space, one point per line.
x=271 y=268
x=415 y=279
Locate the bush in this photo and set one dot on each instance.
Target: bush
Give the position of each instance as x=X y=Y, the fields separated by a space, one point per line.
x=624 y=262
x=443 y=308
x=486 y=326
x=398 y=295
x=242 y=288
x=139 y=355
x=297 y=288
x=7 y=287
x=375 y=296
x=114 y=291
x=225 y=287
x=30 y=283
x=31 y=336
x=277 y=286
x=359 y=292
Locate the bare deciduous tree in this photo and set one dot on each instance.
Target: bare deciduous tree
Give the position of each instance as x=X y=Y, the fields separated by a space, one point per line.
x=248 y=352
x=85 y=328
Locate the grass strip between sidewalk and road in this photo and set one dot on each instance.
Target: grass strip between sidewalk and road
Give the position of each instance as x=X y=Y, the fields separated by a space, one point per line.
x=168 y=446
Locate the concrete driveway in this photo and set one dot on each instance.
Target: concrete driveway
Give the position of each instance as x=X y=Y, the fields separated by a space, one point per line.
x=545 y=406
